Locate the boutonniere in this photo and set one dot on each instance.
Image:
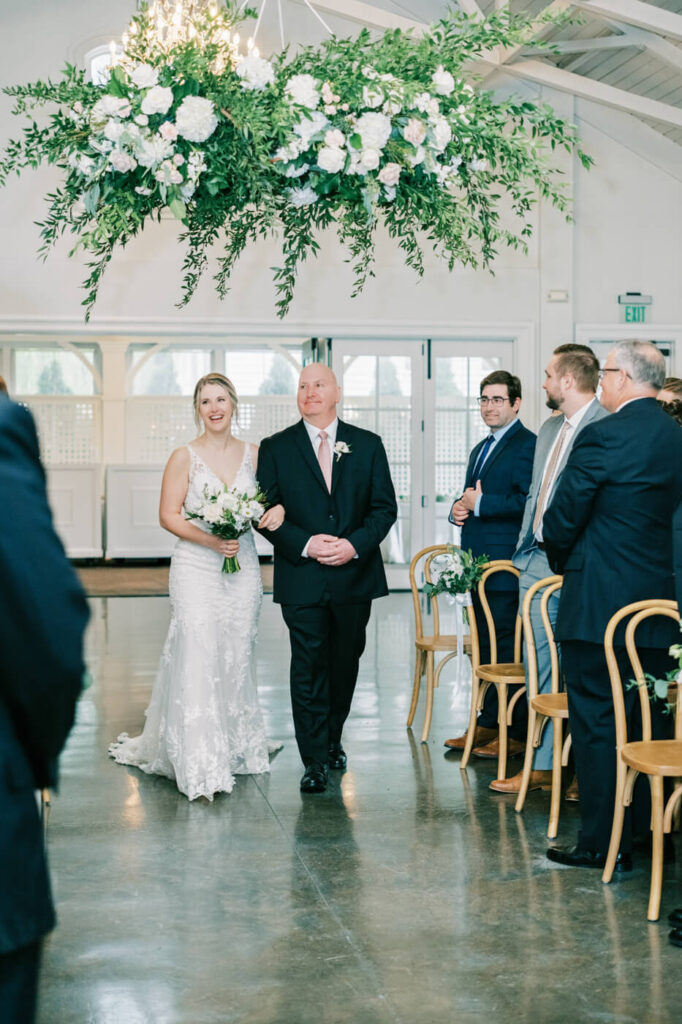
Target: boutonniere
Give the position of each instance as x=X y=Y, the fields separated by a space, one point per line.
x=341 y=448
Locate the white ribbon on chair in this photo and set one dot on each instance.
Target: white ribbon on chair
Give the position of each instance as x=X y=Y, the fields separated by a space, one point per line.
x=440 y=565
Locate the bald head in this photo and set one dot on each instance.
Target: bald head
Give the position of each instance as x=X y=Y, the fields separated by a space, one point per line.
x=318 y=395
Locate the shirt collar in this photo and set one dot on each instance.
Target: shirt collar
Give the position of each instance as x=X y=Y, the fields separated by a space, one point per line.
x=314 y=432
x=499 y=434
x=576 y=418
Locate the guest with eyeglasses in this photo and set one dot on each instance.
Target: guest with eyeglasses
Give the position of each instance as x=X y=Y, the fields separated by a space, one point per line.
x=489 y=513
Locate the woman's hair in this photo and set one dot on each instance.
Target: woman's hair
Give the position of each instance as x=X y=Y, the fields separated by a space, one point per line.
x=3 y=387
x=221 y=381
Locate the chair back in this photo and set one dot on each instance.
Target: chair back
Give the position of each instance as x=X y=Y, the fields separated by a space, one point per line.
x=491 y=569
x=550 y=585
x=639 y=610
x=427 y=555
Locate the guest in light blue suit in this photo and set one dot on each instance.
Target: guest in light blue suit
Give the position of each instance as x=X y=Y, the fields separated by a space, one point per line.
x=571 y=379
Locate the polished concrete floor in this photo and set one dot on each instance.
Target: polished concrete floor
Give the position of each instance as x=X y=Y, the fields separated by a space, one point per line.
x=408 y=892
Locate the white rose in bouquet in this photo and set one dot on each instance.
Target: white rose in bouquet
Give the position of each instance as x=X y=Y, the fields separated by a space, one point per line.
x=443 y=81
x=113 y=130
x=302 y=196
x=441 y=133
x=414 y=131
x=374 y=130
x=122 y=162
x=211 y=512
x=334 y=137
x=144 y=76
x=142 y=120
x=255 y=72
x=228 y=500
x=369 y=160
x=303 y=90
x=390 y=174
x=331 y=159
x=196 y=119
x=109 y=106
x=168 y=131
x=157 y=101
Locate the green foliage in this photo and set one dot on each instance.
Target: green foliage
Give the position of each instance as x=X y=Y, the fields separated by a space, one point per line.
x=251 y=176
x=458 y=572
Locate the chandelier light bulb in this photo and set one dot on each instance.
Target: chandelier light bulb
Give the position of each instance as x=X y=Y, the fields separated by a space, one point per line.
x=256 y=52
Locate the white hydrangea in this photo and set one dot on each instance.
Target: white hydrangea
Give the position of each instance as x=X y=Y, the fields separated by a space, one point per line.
x=144 y=76
x=331 y=159
x=290 y=152
x=297 y=172
x=302 y=196
x=303 y=90
x=122 y=162
x=255 y=72
x=109 y=106
x=196 y=119
x=414 y=131
x=308 y=127
x=390 y=174
x=443 y=81
x=441 y=133
x=152 y=150
x=113 y=130
x=374 y=129
x=157 y=101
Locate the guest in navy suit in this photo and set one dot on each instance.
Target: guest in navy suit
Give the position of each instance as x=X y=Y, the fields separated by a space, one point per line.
x=490 y=512
x=43 y=614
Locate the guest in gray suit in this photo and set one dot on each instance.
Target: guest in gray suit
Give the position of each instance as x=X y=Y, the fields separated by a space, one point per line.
x=571 y=379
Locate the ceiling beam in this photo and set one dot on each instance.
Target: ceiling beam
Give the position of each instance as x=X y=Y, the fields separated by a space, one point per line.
x=598 y=92
x=471 y=8
x=637 y=13
x=660 y=48
x=367 y=14
x=500 y=54
x=567 y=46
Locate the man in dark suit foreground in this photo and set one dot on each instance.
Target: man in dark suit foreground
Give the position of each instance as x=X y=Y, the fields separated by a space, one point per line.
x=490 y=512
x=334 y=482
x=43 y=614
x=609 y=530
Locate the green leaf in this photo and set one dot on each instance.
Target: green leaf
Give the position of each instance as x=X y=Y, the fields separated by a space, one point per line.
x=118 y=85
x=661 y=688
x=356 y=141
x=178 y=209
x=90 y=199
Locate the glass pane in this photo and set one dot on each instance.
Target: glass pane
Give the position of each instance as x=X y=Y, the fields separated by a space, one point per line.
x=53 y=371
x=359 y=377
x=169 y=372
x=262 y=372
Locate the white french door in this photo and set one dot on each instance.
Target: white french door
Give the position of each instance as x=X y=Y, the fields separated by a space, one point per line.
x=420 y=397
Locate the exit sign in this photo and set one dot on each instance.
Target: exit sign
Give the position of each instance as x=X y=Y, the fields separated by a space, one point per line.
x=635 y=314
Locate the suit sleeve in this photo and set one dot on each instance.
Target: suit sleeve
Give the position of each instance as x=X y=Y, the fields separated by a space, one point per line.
x=572 y=503
x=382 y=510
x=511 y=504
x=43 y=610
x=289 y=540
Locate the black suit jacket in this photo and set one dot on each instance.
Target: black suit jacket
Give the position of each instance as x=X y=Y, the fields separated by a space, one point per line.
x=43 y=614
x=505 y=481
x=608 y=528
x=361 y=508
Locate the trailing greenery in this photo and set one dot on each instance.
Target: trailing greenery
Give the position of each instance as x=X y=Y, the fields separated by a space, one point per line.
x=354 y=133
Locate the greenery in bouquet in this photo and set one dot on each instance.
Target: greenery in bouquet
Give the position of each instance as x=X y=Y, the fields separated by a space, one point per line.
x=353 y=133
x=229 y=514
x=659 y=688
x=455 y=572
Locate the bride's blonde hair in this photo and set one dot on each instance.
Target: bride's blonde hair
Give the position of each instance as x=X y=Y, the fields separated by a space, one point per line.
x=221 y=381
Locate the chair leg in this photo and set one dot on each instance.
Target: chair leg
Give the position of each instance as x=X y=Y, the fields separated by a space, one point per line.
x=555 y=801
x=617 y=826
x=502 y=734
x=473 y=714
x=416 y=686
x=656 y=784
x=528 y=758
x=429 y=695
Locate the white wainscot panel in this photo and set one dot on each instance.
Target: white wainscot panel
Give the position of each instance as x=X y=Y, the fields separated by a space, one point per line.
x=74 y=494
x=132 y=513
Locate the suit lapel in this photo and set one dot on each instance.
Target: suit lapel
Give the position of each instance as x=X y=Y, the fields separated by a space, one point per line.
x=306 y=449
x=339 y=462
x=473 y=459
x=497 y=448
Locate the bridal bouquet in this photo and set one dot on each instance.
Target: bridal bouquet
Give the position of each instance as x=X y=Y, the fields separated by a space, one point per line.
x=455 y=573
x=230 y=513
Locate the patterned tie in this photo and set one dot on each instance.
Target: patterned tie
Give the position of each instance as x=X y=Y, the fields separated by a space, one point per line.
x=325 y=459
x=550 y=473
x=483 y=456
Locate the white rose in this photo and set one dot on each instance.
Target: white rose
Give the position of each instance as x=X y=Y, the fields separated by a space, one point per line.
x=369 y=72
x=441 y=133
x=414 y=131
x=330 y=109
x=332 y=159
x=122 y=162
x=302 y=196
x=443 y=82
x=426 y=103
x=152 y=151
x=113 y=130
x=157 y=101
x=178 y=159
x=211 y=513
x=334 y=137
x=168 y=131
x=142 y=120
x=255 y=72
x=327 y=93
x=303 y=90
x=372 y=97
x=144 y=76
x=390 y=174
x=369 y=159
x=374 y=130
x=196 y=119
x=109 y=106
x=308 y=127
x=392 y=107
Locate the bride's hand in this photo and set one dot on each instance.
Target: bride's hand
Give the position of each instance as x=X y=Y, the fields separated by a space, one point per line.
x=226 y=548
x=273 y=518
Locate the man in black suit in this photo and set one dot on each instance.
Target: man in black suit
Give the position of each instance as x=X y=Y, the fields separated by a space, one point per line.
x=608 y=529
x=490 y=513
x=43 y=614
x=334 y=482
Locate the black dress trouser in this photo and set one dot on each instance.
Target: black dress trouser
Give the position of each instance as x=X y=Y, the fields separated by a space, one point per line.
x=504 y=605
x=19 y=984
x=593 y=733
x=327 y=641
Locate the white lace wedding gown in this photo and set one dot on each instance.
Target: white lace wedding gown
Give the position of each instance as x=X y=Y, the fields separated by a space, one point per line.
x=204 y=724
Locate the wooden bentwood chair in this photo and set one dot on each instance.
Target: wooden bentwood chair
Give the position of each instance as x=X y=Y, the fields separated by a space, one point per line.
x=426 y=647
x=544 y=708
x=658 y=759
x=501 y=675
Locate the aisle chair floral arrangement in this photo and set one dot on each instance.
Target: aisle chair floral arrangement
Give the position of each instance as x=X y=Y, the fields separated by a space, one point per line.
x=230 y=513
x=357 y=133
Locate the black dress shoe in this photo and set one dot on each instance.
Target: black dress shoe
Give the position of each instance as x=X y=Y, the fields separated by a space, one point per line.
x=574 y=857
x=315 y=778
x=675 y=918
x=676 y=937
x=337 y=756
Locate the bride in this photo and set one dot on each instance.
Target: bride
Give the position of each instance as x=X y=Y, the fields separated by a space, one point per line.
x=204 y=723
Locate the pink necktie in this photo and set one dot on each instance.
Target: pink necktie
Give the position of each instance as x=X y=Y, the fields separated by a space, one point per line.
x=325 y=459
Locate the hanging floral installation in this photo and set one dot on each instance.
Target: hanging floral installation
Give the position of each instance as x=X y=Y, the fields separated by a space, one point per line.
x=355 y=133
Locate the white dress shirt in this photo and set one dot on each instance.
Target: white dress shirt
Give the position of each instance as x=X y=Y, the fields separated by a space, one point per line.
x=316 y=441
